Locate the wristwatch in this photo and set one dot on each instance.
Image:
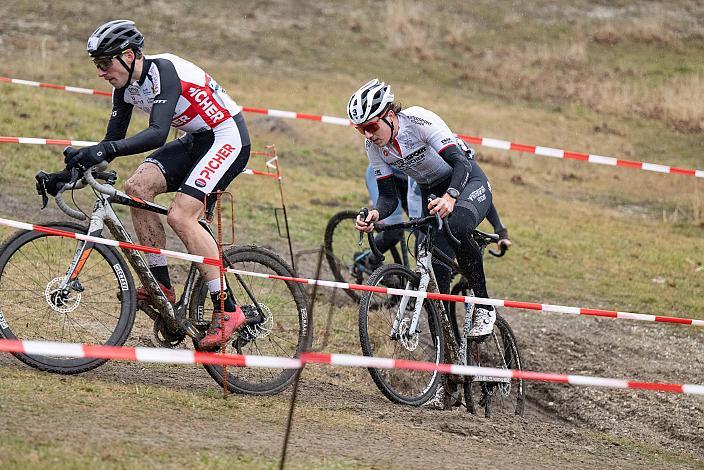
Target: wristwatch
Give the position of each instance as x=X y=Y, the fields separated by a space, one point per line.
x=453 y=193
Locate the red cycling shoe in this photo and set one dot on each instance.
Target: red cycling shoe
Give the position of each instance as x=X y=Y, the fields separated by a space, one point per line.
x=231 y=321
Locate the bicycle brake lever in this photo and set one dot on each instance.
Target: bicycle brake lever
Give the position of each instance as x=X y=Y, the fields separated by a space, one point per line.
x=41 y=178
x=363 y=213
x=438 y=219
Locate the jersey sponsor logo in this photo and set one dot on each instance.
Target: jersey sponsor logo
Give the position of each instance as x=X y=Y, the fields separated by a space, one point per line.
x=215 y=86
x=215 y=162
x=181 y=120
x=419 y=120
x=411 y=160
x=114 y=112
x=200 y=182
x=446 y=140
x=159 y=101
x=206 y=103
x=386 y=153
x=418 y=152
x=477 y=194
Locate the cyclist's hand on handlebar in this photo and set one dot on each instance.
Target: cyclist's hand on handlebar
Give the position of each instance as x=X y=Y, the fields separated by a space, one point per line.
x=367 y=224
x=442 y=205
x=87 y=157
x=504 y=242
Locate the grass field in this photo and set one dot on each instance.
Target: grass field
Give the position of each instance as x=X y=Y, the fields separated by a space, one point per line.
x=622 y=79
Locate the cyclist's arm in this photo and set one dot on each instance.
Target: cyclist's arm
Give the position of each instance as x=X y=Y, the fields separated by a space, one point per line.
x=119 y=118
x=493 y=217
x=461 y=166
x=388 y=199
x=160 y=117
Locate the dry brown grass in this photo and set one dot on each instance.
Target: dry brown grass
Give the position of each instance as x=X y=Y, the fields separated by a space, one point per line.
x=651 y=29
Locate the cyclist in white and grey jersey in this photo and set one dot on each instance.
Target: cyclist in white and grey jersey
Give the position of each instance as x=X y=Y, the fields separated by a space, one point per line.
x=213 y=151
x=420 y=144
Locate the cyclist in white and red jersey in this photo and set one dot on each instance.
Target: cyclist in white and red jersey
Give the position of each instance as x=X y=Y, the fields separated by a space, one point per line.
x=213 y=151
x=417 y=142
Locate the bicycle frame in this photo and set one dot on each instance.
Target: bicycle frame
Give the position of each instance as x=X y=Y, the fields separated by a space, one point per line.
x=103 y=215
x=428 y=282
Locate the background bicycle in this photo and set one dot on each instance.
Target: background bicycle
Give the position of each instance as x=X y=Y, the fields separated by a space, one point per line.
x=350 y=262
x=60 y=289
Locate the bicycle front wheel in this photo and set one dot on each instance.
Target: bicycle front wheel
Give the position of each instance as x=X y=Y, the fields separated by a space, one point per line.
x=100 y=310
x=343 y=253
x=377 y=313
x=285 y=331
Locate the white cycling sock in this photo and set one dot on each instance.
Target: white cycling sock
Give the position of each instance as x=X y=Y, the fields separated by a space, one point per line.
x=214 y=285
x=156 y=260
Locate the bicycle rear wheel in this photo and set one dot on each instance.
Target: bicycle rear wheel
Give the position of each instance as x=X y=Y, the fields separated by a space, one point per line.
x=285 y=332
x=495 y=395
x=377 y=313
x=500 y=350
x=343 y=253
x=32 y=307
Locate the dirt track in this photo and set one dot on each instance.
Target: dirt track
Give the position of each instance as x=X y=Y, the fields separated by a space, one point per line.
x=340 y=415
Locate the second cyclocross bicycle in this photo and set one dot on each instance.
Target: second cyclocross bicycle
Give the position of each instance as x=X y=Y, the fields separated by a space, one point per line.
x=413 y=328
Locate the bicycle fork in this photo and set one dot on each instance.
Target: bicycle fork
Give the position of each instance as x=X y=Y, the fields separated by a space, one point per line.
x=425 y=276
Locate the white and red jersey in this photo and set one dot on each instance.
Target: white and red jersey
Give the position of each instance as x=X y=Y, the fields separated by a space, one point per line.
x=175 y=93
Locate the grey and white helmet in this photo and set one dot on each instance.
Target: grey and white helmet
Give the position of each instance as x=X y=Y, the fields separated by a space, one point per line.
x=113 y=38
x=371 y=100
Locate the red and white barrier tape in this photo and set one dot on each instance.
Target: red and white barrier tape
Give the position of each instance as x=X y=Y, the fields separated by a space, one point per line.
x=382 y=290
x=72 y=89
x=484 y=141
x=42 y=141
x=184 y=356
x=480 y=300
x=85 y=143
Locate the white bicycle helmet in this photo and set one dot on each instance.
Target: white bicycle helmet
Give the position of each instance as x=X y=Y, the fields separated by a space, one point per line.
x=369 y=101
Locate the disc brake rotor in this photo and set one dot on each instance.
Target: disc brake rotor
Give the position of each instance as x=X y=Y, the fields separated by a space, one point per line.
x=56 y=299
x=263 y=329
x=409 y=343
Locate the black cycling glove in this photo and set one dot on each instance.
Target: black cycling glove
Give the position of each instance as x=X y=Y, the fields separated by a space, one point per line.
x=87 y=157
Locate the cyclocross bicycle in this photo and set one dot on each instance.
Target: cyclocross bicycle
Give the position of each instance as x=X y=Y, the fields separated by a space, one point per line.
x=54 y=288
x=418 y=329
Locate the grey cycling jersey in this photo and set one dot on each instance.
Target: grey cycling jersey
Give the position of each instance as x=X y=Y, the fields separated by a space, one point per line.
x=415 y=151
